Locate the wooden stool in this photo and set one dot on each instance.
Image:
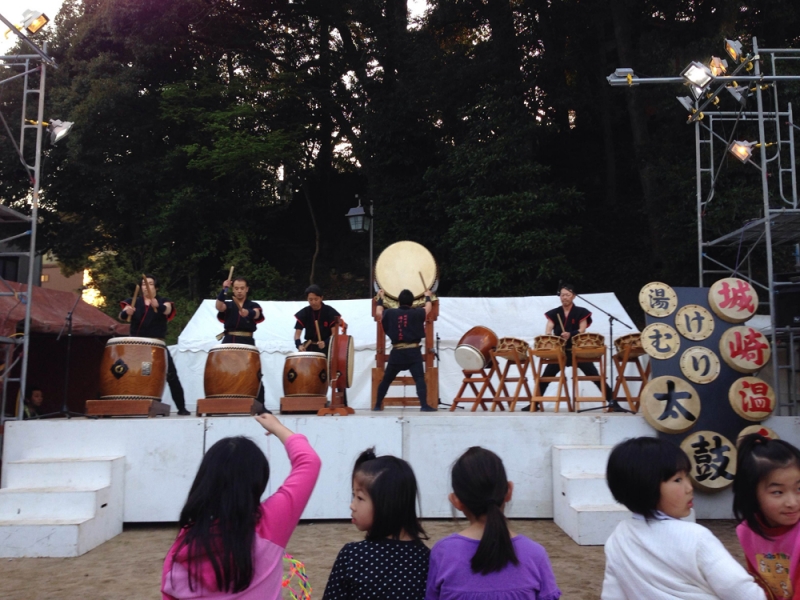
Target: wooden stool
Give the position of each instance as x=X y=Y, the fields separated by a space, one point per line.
x=549 y=349
x=588 y=347
x=471 y=378
x=629 y=350
x=515 y=353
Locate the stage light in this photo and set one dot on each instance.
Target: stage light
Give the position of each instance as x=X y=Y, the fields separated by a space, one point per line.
x=698 y=74
x=742 y=150
x=58 y=130
x=734 y=49
x=718 y=66
x=34 y=20
x=622 y=76
x=740 y=93
x=687 y=103
x=697 y=91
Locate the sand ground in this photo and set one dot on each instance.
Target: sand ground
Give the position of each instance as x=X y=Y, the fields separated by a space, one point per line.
x=129 y=566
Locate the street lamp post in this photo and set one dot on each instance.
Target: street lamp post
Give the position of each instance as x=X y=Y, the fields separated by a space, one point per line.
x=360 y=221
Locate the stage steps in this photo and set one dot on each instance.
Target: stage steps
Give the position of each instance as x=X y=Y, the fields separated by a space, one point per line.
x=582 y=503
x=60 y=507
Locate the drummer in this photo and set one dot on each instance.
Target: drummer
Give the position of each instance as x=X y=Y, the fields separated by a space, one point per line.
x=149 y=318
x=405 y=326
x=241 y=318
x=575 y=320
x=318 y=319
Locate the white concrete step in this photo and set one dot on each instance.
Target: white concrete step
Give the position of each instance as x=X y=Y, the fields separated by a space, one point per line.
x=586 y=489
x=60 y=507
x=583 y=458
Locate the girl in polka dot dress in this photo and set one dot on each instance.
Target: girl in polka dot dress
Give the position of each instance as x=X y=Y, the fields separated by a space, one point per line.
x=392 y=562
x=487 y=561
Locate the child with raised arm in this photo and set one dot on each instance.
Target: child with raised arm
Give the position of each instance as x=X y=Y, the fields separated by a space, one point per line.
x=392 y=562
x=231 y=544
x=487 y=561
x=655 y=555
x=766 y=502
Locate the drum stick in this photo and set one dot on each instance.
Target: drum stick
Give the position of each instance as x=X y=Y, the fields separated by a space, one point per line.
x=319 y=335
x=560 y=322
x=147 y=285
x=230 y=276
x=133 y=302
x=422 y=279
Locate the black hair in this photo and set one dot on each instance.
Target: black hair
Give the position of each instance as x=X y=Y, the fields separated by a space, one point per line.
x=313 y=289
x=155 y=280
x=637 y=468
x=757 y=457
x=235 y=279
x=29 y=392
x=405 y=298
x=480 y=483
x=567 y=286
x=222 y=510
x=392 y=487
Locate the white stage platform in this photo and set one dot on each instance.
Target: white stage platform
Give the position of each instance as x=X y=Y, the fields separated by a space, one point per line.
x=162 y=454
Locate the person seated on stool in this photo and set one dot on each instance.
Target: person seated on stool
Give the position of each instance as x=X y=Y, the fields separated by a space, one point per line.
x=405 y=326
x=575 y=319
x=318 y=319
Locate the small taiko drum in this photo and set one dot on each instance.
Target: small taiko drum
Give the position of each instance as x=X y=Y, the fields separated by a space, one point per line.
x=231 y=371
x=510 y=344
x=548 y=345
x=305 y=374
x=340 y=359
x=588 y=345
x=133 y=368
x=632 y=341
x=474 y=348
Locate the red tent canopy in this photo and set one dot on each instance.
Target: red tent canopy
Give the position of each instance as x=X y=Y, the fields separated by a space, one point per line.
x=49 y=311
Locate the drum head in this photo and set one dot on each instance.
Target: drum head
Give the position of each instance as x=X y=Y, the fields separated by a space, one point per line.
x=470 y=358
x=345 y=357
x=229 y=347
x=135 y=341
x=399 y=267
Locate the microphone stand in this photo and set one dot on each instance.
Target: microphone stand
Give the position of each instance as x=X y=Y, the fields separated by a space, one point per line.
x=68 y=326
x=436 y=355
x=611 y=403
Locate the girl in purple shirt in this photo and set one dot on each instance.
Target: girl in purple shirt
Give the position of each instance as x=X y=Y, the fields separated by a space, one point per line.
x=230 y=544
x=487 y=561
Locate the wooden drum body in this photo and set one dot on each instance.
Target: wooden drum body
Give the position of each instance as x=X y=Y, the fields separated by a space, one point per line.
x=474 y=348
x=305 y=374
x=133 y=368
x=340 y=359
x=548 y=345
x=231 y=371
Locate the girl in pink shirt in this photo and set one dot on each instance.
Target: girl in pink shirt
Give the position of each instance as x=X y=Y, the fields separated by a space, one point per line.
x=766 y=502
x=230 y=544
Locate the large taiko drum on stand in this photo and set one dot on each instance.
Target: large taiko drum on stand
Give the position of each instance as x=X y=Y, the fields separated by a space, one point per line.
x=340 y=358
x=473 y=352
x=231 y=371
x=305 y=374
x=133 y=368
x=406 y=266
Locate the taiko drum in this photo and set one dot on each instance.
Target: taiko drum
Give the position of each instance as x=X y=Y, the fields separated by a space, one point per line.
x=231 y=371
x=474 y=348
x=133 y=368
x=305 y=374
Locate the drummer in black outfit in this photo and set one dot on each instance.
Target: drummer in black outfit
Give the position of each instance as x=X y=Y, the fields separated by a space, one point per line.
x=405 y=326
x=149 y=319
x=575 y=319
x=316 y=314
x=241 y=318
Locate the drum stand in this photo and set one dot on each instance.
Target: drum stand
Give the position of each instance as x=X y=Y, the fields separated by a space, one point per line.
x=338 y=384
x=521 y=362
x=472 y=377
x=610 y=404
x=431 y=372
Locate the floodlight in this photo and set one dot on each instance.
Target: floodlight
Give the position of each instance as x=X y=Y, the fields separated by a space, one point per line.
x=687 y=103
x=734 y=49
x=58 y=130
x=698 y=74
x=622 y=76
x=34 y=20
x=742 y=150
x=718 y=66
x=739 y=92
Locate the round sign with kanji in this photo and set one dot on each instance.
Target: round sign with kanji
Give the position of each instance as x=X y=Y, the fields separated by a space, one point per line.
x=752 y=398
x=658 y=299
x=760 y=430
x=694 y=322
x=744 y=349
x=700 y=365
x=733 y=299
x=713 y=459
x=660 y=341
x=670 y=404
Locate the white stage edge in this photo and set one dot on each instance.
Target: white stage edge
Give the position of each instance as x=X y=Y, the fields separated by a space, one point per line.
x=162 y=454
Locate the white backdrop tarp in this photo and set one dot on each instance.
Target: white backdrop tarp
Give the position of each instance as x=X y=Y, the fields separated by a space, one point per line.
x=521 y=317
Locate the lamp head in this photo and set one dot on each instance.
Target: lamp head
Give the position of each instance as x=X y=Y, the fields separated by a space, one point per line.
x=734 y=49
x=58 y=130
x=34 y=20
x=742 y=150
x=698 y=74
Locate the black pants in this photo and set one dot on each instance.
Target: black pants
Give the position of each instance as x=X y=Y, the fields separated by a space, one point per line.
x=392 y=369
x=239 y=339
x=588 y=369
x=175 y=387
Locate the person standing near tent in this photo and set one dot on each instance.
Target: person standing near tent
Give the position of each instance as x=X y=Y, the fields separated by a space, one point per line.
x=240 y=317
x=567 y=321
x=318 y=319
x=405 y=326
x=149 y=315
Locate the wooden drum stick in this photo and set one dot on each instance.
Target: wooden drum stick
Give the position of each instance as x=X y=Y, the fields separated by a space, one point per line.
x=560 y=322
x=133 y=302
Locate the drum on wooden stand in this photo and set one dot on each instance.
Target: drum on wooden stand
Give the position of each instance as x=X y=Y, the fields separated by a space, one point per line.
x=305 y=374
x=632 y=341
x=516 y=345
x=406 y=266
x=340 y=359
x=133 y=368
x=548 y=345
x=231 y=371
x=473 y=352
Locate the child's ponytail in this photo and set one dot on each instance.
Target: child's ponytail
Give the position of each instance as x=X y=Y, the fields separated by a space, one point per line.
x=480 y=483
